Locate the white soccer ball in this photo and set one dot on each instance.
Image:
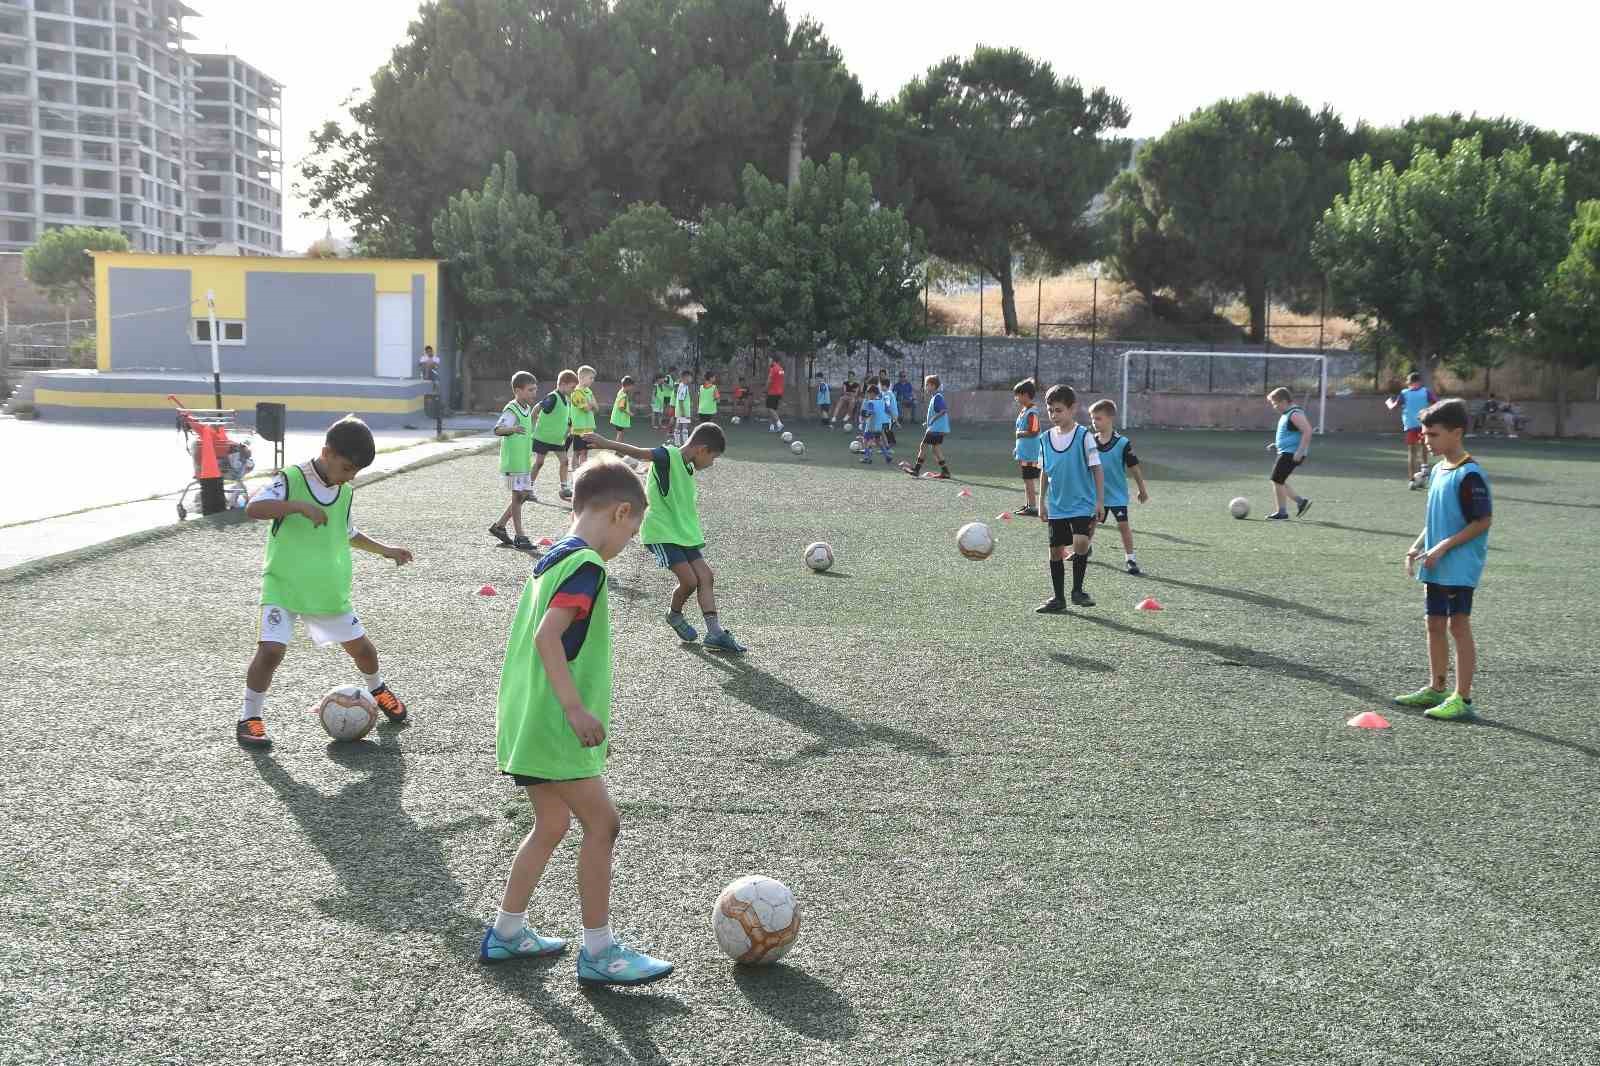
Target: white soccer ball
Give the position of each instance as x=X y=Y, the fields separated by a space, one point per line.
x=797 y=448
x=975 y=540
x=347 y=713
x=756 y=919
x=787 y=437
x=819 y=556
x=736 y=420
x=1419 y=480
x=855 y=446
x=1239 y=507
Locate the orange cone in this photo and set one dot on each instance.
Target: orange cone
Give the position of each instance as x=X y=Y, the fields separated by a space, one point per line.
x=964 y=493
x=1149 y=603
x=1004 y=516
x=545 y=542
x=1369 y=720
x=487 y=590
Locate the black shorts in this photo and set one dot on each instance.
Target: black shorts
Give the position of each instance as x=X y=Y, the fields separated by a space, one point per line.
x=523 y=780
x=1447 y=601
x=825 y=407
x=932 y=438
x=670 y=555
x=1120 y=513
x=1062 y=530
x=1030 y=471
x=541 y=448
x=577 y=443
x=1285 y=466
x=773 y=400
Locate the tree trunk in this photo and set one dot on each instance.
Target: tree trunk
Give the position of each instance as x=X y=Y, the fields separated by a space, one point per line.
x=463 y=352
x=1560 y=368
x=797 y=144
x=1255 y=296
x=1008 y=297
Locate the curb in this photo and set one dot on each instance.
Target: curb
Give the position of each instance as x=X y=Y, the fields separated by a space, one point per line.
x=33 y=568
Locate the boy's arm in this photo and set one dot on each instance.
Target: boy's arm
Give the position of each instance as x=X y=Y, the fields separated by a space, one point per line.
x=401 y=556
x=553 y=657
x=1303 y=424
x=595 y=440
x=1044 y=494
x=1099 y=491
x=1138 y=479
x=272 y=510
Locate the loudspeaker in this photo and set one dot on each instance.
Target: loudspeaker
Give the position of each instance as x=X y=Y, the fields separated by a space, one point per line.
x=270 y=419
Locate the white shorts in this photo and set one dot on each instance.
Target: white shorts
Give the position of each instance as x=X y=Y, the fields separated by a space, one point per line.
x=277 y=626
x=519 y=482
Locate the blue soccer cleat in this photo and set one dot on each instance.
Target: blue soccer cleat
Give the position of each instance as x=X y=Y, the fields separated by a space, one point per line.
x=680 y=626
x=525 y=945
x=724 y=642
x=618 y=965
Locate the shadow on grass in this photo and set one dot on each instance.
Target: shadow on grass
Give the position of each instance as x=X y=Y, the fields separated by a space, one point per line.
x=1078 y=662
x=1250 y=658
x=832 y=573
x=395 y=873
x=795 y=999
x=1169 y=538
x=631 y=1014
x=1358 y=529
x=760 y=690
x=1255 y=599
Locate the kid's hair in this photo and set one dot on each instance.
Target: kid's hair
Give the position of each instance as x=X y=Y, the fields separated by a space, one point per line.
x=707 y=435
x=587 y=369
x=627 y=379
x=872 y=386
x=605 y=481
x=566 y=376
x=686 y=373
x=710 y=374
x=932 y=381
x=1026 y=387
x=1413 y=378
x=1108 y=406
x=1281 y=393
x=522 y=378
x=351 y=439
x=1061 y=394
x=1446 y=414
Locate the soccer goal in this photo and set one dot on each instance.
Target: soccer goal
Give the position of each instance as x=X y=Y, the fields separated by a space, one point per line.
x=1127 y=415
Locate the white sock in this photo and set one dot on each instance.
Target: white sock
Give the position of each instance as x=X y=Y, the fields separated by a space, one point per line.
x=1130 y=557
x=597 y=940
x=508 y=925
x=254 y=703
x=373 y=681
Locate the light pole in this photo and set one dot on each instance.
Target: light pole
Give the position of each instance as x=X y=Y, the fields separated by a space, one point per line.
x=1094 y=319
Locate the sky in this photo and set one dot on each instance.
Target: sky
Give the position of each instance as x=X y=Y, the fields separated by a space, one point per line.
x=1381 y=62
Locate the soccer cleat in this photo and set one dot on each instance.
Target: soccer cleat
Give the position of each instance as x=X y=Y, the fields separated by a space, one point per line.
x=565 y=493
x=866 y=460
x=252 y=733
x=724 y=642
x=1453 y=709
x=1278 y=516
x=681 y=626
x=525 y=945
x=944 y=475
x=389 y=704
x=1301 y=506
x=499 y=533
x=1027 y=511
x=1133 y=568
x=522 y=544
x=1051 y=606
x=1081 y=599
x=1423 y=697
x=618 y=965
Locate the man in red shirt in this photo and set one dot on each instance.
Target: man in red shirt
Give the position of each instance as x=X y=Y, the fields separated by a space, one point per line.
x=775 y=395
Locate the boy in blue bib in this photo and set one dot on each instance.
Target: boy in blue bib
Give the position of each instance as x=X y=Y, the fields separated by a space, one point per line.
x=1291 y=442
x=1412 y=401
x=1026 y=452
x=1448 y=558
x=1117 y=461
x=1073 y=493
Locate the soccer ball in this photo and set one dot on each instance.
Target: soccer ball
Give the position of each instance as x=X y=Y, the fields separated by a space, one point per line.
x=797 y=448
x=756 y=919
x=819 y=556
x=787 y=437
x=855 y=446
x=1419 y=480
x=975 y=540
x=1239 y=507
x=347 y=713
x=736 y=420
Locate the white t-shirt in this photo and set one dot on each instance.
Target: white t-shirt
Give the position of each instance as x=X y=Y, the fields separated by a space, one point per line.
x=682 y=403
x=1091 y=450
x=321 y=491
x=508 y=417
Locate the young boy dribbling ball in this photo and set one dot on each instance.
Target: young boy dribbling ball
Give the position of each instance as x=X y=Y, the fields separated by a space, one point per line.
x=1116 y=461
x=515 y=430
x=1072 y=489
x=1026 y=451
x=551 y=736
x=308 y=570
x=1412 y=401
x=672 y=530
x=1448 y=557
x=552 y=429
x=1292 y=442
x=937 y=424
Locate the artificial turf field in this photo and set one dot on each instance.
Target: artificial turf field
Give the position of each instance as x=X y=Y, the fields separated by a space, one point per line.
x=1108 y=836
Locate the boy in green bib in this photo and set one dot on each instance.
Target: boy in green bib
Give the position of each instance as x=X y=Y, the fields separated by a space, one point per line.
x=585 y=414
x=622 y=406
x=659 y=399
x=515 y=430
x=552 y=425
x=552 y=729
x=672 y=526
x=308 y=570
x=709 y=395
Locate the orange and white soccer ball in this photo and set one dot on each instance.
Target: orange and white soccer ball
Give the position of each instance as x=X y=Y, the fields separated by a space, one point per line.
x=347 y=713
x=756 y=919
x=975 y=540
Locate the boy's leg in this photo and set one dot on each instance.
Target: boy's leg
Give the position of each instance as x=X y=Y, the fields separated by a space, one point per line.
x=1438 y=652
x=1466 y=653
x=510 y=937
x=251 y=730
x=591 y=804
x=366 y=659
x=516 y=514
x=1125 y=528
x=1058 y=581
x=566 y=476
x=1080 y=567
x=687 y=582
x=938 y=456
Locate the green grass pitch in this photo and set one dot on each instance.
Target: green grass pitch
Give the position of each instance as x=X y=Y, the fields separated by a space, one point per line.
x=1109 y=836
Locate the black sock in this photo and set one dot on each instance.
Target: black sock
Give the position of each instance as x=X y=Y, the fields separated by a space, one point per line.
x=1058 y=577
x=917 y=469
x=1080 y=566
x=944 y=466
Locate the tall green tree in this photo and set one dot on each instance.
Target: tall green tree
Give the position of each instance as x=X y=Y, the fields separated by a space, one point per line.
x=996 y=152
x=1228 y=198
x=1566 y=328
x=1578 y=152
x=1146 y=253
x=1448 y=252
x=632 y=269
x=61 y=263
x=507 y=264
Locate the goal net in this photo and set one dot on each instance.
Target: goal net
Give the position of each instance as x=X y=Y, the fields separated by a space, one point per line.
x=1178 y=375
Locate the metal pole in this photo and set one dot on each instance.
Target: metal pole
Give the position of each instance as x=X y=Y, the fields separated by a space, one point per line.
x=1322 y=315
x=1094 y=325
x=1322 y=402
x=216 y=359
x=1125 y=413
x=980 y=329
x=1038 y=326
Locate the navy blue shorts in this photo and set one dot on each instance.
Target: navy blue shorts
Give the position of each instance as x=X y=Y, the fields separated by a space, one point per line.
x=1062 y=530
x=670 y=555
x=1117 y=511
x=541 y=448
x=931 y=438
x=1447 y=601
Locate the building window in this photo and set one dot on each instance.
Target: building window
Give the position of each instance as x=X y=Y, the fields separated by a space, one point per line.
x=231 y=331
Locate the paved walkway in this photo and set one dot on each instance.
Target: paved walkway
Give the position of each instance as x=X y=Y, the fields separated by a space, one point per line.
x=97 y=471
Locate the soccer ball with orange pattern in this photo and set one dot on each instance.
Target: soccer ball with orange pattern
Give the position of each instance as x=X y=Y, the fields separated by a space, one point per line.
x=347 y=713
x=756 y=919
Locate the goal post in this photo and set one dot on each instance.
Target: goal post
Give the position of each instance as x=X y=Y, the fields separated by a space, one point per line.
x=1126 y=414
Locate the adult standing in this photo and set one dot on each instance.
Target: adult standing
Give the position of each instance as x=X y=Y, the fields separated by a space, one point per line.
x=775 y=394
x=429 y=364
